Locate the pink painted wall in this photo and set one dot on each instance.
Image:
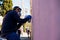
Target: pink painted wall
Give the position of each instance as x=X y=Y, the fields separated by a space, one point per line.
x=46 y=19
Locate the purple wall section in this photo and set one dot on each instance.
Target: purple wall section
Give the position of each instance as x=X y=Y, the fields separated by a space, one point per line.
x=46 y=19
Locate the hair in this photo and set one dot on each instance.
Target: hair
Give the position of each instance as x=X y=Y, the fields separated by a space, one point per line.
x=16 y=8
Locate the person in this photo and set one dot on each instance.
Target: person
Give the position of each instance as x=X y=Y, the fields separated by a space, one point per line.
x=28 y=31
x=9 y=25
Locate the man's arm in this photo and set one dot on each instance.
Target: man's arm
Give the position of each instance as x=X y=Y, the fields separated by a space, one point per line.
x=21 y=21
x=24 y=20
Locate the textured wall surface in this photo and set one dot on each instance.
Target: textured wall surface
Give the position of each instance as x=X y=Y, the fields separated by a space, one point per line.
x=46 y=19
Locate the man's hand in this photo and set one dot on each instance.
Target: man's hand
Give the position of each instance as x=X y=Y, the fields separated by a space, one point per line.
x=28 y=17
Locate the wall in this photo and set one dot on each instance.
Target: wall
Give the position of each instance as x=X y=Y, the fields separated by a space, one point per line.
x=46 y=19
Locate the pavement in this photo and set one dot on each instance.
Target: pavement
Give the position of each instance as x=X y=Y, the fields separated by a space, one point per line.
x=24 y=36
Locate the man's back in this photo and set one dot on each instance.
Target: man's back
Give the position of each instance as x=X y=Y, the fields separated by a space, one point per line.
x=9 y=23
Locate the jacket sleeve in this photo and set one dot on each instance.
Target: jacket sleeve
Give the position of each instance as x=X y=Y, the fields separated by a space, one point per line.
x=21 y=21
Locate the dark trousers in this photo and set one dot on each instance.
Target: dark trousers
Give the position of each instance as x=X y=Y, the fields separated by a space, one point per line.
x=19 y=32
x=12 y=36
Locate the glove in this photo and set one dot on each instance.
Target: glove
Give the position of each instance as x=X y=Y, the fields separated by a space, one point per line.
x=28 y=17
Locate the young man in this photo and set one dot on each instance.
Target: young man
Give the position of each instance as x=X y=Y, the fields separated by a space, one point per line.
x=9 y=25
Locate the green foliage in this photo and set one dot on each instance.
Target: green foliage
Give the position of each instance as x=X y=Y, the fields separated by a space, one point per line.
x=0 y=11
x=6 y=6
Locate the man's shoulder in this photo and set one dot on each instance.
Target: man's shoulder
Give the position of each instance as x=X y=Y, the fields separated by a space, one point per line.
x=12 y=12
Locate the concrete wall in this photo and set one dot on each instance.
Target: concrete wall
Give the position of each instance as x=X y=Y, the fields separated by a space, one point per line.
x=46 y=19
